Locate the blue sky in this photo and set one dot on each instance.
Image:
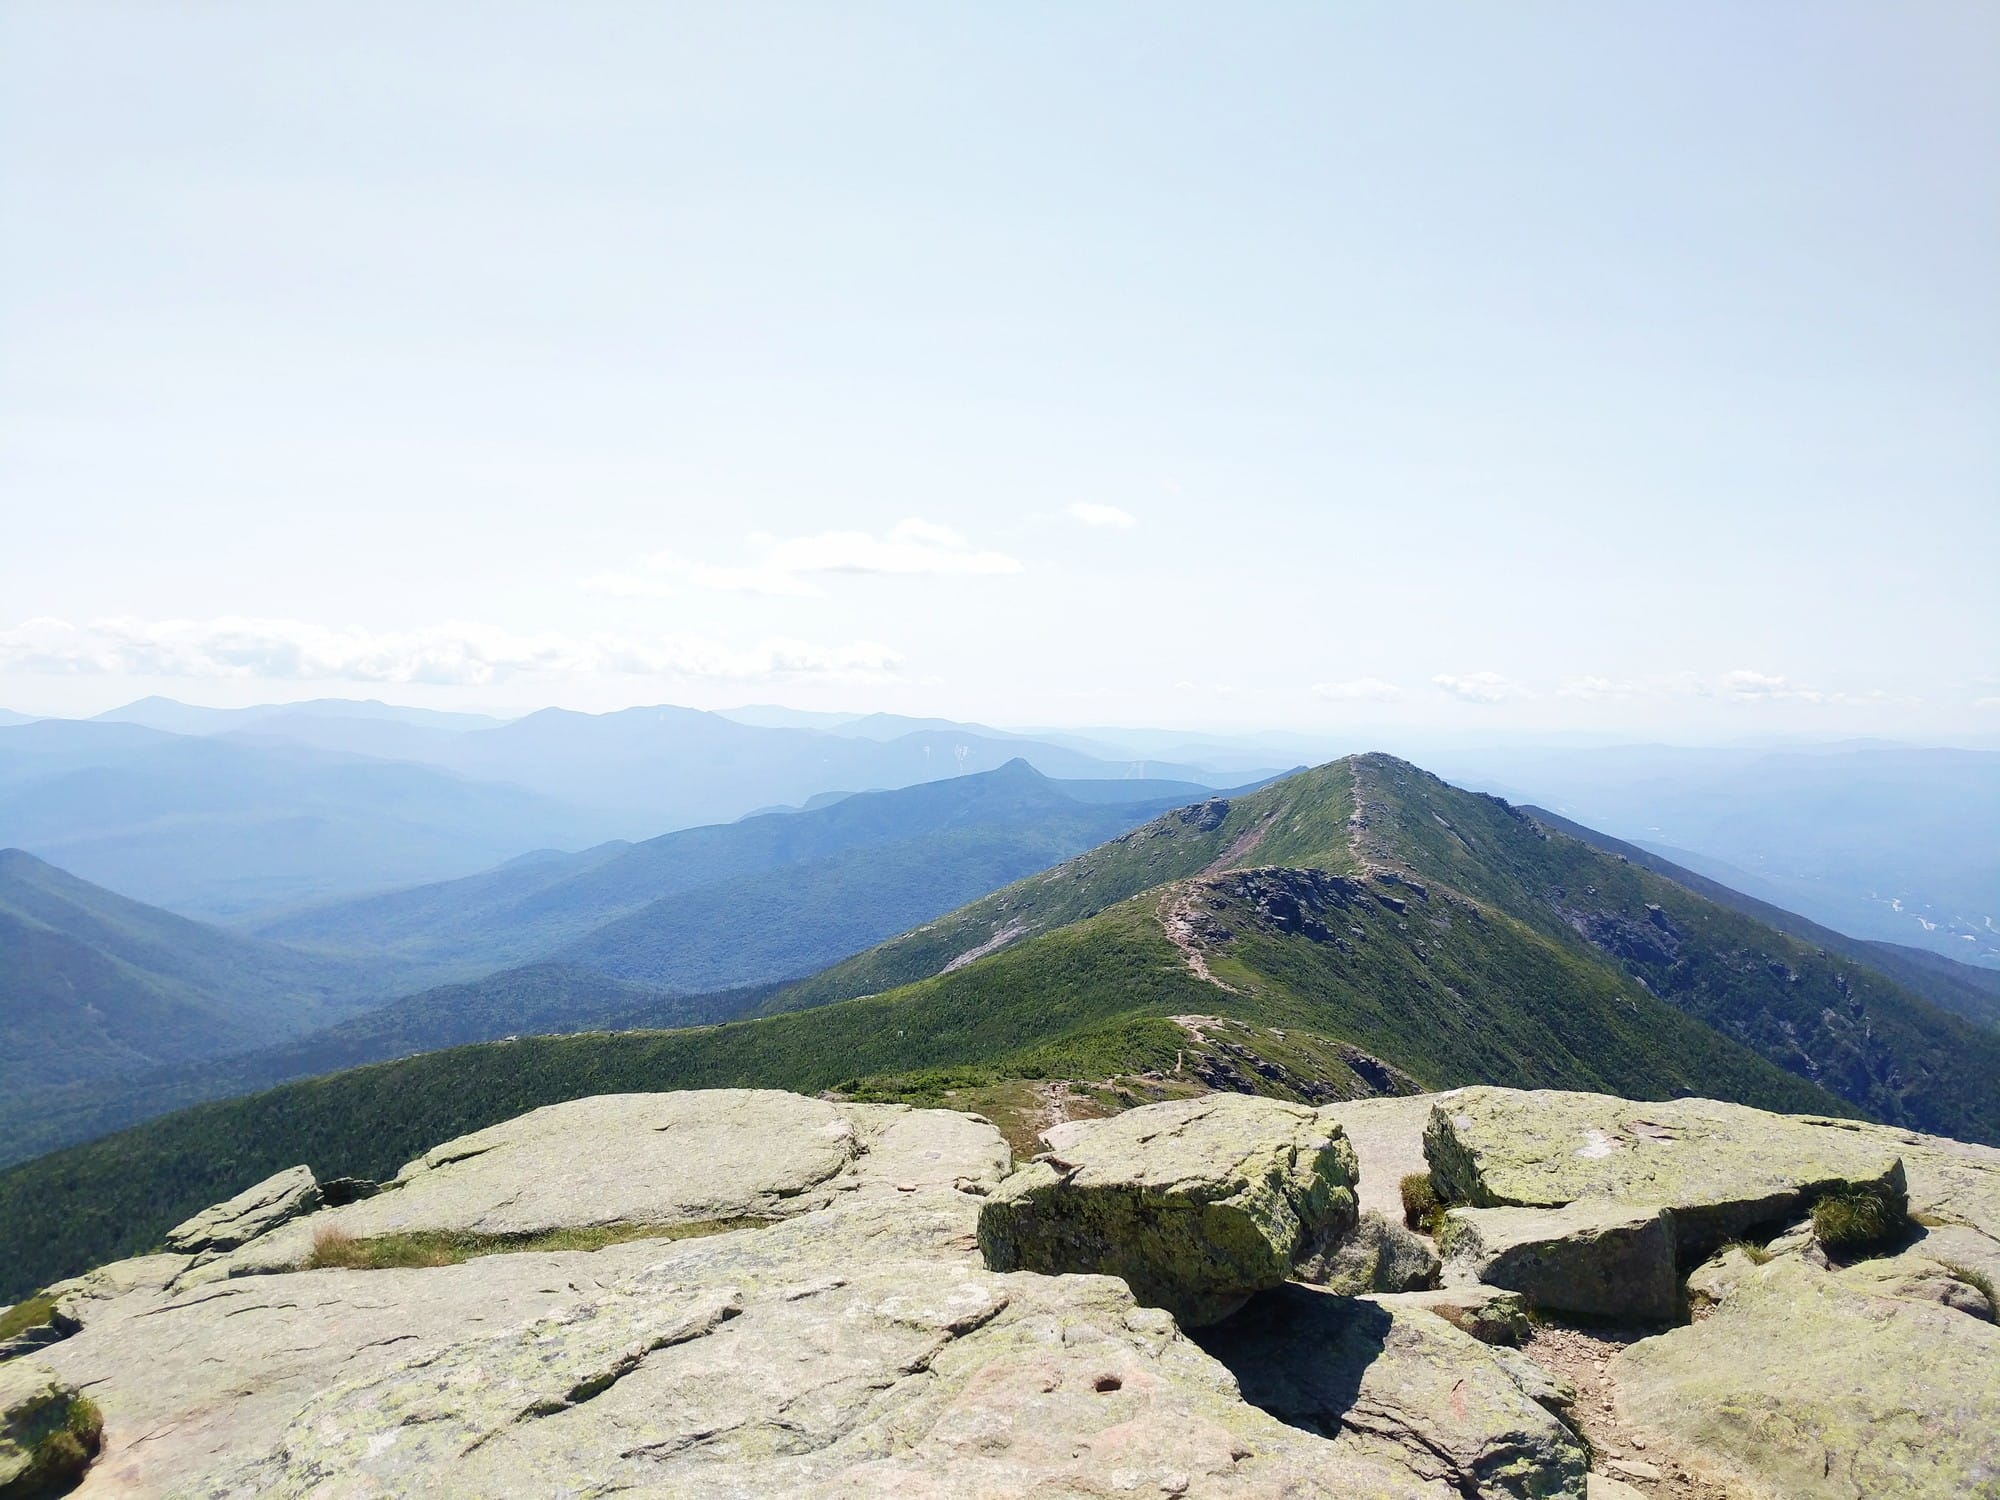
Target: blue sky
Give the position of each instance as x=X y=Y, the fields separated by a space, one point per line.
x=1631 y=369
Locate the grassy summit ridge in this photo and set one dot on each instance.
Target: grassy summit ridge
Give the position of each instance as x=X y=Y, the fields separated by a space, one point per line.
x=1447 y=934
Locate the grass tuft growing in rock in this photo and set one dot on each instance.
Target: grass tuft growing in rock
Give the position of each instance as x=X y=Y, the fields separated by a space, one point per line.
x=32 y=1312
x=1851 y=1222
x=62 y=1453
x=1758 y=1254
x=335 y=1249
x=1979 y=1281
x=1422 y=1207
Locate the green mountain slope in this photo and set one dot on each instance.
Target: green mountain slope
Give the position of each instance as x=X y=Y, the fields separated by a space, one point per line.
x=1963 y=989
x=93 y=984
x=534 y=999
x=1365 y=903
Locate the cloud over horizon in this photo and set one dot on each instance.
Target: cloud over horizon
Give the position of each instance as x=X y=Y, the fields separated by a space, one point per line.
x=1480 y=687
x=1359 y=690
x=452 y=653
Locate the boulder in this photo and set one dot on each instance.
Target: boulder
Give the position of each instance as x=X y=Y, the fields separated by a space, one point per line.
x=1489 y=1314
x=1604 y=1487
x=662 y=1160
x=1592 y=1259
x=1715 y=1279
x=1798 y=1240
x=1803 y=1385
x=1195 y=1203
x=1722 y=1169
x=43 y=1444
x=255 y=1211
x=1548 y=1389
x=1380 y=1256
x=1398 y=1382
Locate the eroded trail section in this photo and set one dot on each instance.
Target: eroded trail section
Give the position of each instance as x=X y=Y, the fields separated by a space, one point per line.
x=1180 y=920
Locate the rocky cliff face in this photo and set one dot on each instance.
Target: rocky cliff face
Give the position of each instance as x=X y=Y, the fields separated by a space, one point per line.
x=795 y=1296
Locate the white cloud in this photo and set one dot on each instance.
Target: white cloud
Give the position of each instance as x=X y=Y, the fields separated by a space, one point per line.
x=910 y=548
x=1597 y=688
x=455 y=652
x=1360 y=690
x=1092 y=514
x=1764 y=687
x=1479 y=687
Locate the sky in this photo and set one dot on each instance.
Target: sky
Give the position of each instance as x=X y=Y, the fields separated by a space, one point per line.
x=1561 y=368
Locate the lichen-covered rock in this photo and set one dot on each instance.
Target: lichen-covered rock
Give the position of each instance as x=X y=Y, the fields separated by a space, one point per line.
x=1195 y=1203
x=1947 y=1264
x=40 y=1451
x=1593 y=1259
x=1713 y=1282
x=1548 y=1389
x=255 y=1211
x=1380 y=1256
x=652 y=1159
x=1398 y=1382
x=1950 y=1182
x=858 y=1350
x=1801 y=1385
x=1488 y=1313
x=1722 y=1169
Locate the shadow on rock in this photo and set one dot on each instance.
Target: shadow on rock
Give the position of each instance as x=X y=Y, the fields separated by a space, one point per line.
x=1300 y=1355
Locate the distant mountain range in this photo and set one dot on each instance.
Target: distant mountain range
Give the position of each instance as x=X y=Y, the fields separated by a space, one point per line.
x=220 y=826
x=1417 y=930
x=617 y=933
x=242 y=813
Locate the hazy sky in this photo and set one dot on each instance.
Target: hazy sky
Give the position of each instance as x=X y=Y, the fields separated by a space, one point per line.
x=1591 y=366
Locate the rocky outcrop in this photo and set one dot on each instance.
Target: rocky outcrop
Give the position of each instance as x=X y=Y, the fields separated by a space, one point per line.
x=255 y=1211
x=855 y=1346
x=1194 y=1203
x=1722 y=1170
x=1398 y=1381
x=1590 y=1258
x=1801 y=1384
x=837 y=1329
x=649 y=1159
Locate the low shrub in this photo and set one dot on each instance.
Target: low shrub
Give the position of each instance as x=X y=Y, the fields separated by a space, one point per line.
x=1422 y=1208
x=1865 y=1219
